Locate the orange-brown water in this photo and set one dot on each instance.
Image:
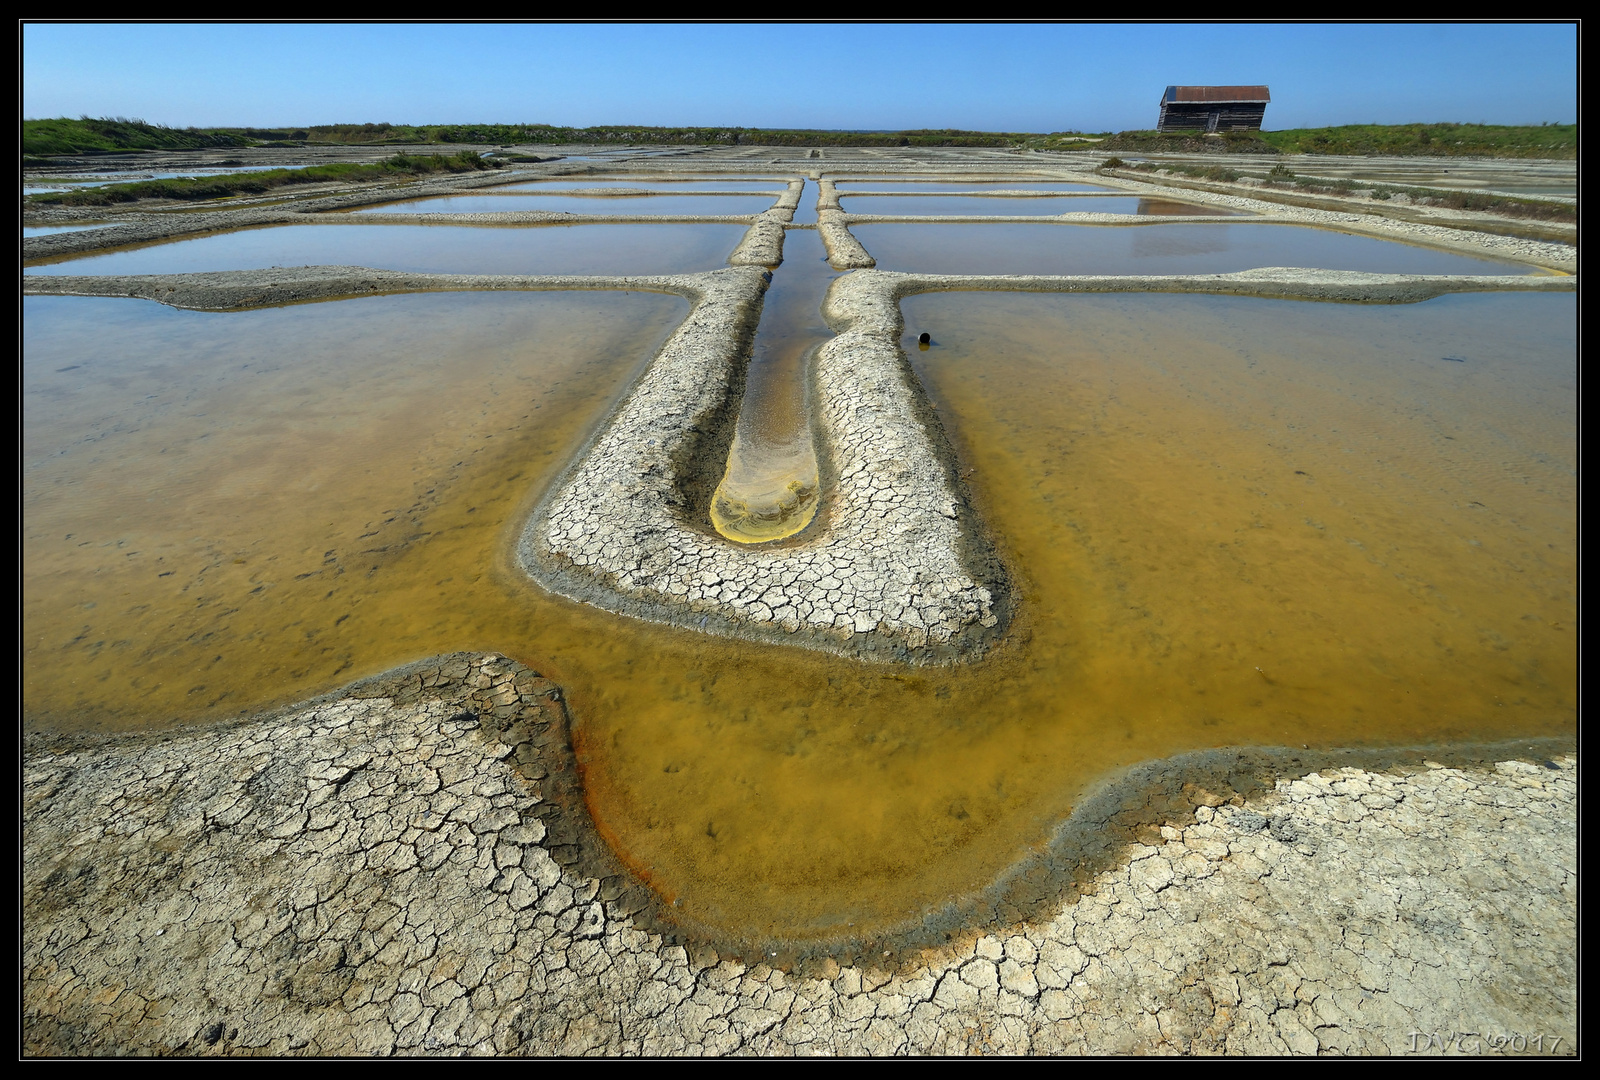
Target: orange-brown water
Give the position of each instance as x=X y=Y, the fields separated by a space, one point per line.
x=1231 y=521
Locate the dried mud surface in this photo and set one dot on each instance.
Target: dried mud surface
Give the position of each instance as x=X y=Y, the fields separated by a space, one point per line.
x=406 y=867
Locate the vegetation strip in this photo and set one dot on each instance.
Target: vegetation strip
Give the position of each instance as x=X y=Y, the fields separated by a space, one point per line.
x=401 y=166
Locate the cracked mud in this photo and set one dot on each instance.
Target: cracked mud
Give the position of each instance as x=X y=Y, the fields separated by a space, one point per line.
x=403 y=869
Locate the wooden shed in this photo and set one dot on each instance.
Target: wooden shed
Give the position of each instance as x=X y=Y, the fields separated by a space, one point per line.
x=1213 y=108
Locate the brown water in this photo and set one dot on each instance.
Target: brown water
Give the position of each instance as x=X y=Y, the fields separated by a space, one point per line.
x=630 y=248
x=1231 y=521
x=1025 y=248
x=677 y=205
x=970 y=205
x=228 y=510
x=771 y=485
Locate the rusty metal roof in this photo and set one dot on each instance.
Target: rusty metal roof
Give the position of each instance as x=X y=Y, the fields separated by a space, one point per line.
x=1212 y=94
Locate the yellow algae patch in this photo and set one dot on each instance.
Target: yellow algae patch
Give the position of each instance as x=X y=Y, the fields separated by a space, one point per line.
x=766 y=496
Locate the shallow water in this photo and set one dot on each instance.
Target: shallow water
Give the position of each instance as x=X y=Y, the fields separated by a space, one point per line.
x=846 y=186
x=630 y=248
x=646 y=183
x=227 y=509
x=48 y=230
x=930 y=248
x=1231 y=521
x=677 y=205
x=771 y=485
x=967 y=206
x=805 y=212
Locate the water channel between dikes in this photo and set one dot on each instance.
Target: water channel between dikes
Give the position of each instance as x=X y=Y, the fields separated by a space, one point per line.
x=771 y=487
x=1232 y=522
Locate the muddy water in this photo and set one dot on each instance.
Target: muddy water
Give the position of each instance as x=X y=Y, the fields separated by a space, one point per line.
x=227 y=510
x=629 y=248
x=680 y=205
x=1026 y=248
x=967 y=206
x=1231 y=521
x=771 y=486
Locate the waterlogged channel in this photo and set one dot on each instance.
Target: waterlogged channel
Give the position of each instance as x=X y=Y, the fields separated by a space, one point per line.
x=771 y=486
x=1230 y=521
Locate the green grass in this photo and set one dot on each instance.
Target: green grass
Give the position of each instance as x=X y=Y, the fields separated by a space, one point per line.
x=1187 y=142
x=401 y=166
x=1437 y=140
x=42 y=138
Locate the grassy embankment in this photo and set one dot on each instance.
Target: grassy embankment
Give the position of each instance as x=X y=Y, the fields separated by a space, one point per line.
x=1282 y=178
x=1558 y=141
x=43 y=138
x=399 y=167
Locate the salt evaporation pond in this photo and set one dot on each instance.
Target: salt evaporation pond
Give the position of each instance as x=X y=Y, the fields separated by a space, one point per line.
x=1200 y=248
x=646 y=183
x=1232 y=521
x=968 y=206
x=847 y=186
x=624 y=248
x=676 y=205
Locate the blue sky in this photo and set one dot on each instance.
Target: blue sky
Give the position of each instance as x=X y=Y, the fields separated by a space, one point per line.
x=1011 y=77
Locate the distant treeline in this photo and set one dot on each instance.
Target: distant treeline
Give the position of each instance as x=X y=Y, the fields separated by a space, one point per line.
x=43 y=138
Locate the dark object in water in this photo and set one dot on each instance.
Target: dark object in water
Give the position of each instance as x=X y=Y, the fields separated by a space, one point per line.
x=926 y=338
x=1453 y=359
